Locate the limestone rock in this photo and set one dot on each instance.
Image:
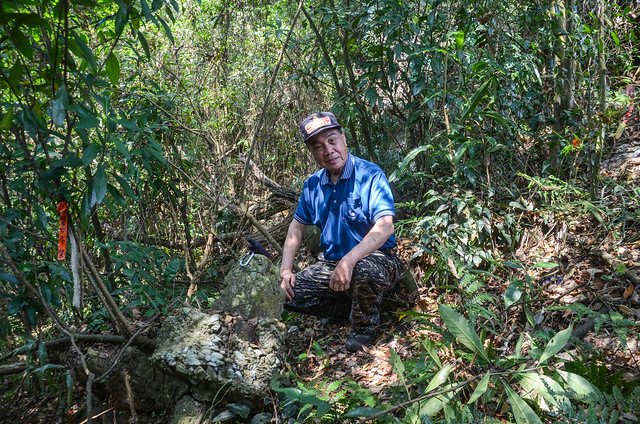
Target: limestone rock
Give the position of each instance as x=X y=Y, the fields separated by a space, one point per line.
x=239 y=347
x=253 y=290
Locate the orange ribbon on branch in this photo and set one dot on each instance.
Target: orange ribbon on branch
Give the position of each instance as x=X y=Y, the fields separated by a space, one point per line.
x=62 y=231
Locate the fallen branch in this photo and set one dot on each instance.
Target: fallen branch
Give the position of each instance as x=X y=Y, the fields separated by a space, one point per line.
x=286 y=193
x=146 y=344
x=11 y=369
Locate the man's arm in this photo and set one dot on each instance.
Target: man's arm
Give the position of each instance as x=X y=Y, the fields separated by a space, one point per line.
x=375 y=238
x=291 y=244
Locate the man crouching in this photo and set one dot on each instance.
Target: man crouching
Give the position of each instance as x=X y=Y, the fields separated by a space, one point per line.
x=350 y=200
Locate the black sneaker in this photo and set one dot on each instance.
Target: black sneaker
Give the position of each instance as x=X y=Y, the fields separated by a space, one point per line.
x=356 y=341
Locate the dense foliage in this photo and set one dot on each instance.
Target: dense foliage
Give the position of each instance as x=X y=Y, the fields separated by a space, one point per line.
x=491 y=118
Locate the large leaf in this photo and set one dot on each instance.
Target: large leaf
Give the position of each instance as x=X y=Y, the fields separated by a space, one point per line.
x=482 y=91
x=89 y=154
x=99 y=187
x=362 y=412
x=59 y=107
x=407 y=160
x=113 y=68
x=146 y=11
x=22 y=43
x=556 y=344
x=461 y=329
x=481 y=388
x=513 y=293
x=80 y=48
x=582 y=389
x=433 y=405
x=439 y=379
x=550 y=395
x=522 y=412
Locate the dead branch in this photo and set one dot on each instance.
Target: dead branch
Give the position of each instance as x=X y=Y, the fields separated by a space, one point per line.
x=285 y=193
x=11 y=369
x=144 y=344
x=120 y=320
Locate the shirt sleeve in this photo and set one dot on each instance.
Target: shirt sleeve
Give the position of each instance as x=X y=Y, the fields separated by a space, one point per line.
x=302 y=213
x=381 y=199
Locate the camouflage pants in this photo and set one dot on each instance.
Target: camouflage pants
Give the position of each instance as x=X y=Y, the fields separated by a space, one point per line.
x=373 y=276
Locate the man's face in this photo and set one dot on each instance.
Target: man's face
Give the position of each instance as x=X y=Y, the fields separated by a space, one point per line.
x=329 y=149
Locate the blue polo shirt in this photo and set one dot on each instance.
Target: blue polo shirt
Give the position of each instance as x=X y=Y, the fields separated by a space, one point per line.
x=347 y=210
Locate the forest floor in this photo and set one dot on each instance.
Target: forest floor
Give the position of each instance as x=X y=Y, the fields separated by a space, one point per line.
x=316 y=352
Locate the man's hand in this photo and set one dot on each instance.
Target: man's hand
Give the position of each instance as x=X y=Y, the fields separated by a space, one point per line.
x=341 y=276
x=287 y=282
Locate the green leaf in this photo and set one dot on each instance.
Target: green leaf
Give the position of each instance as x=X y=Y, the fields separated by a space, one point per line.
x=475 y=100
x=461 y=329
x=22 y=43
x=362 y=412
x=481 y=388
x=113 y=68
x=439 y=379
x=16 y=75
x=80 y=48
x=90 y=153
x=7 y=119
x=513 y=293
x=122 y=17
x=398 y=365
x=513 y=264
x=99 y=189
x=48 y=367
x=59 y=107
x=556 y=344
x=459 y=37
x=10 y=278
x=126 y=188
x=239 y=409
x=144 y=44
x=433 y=405
x=407 y=160
x=519 y=343
x=146 y=11
x=522 y=412
x=540 y=386
x=156 y=5
x=69 y=161
x=167 y=30
x=582 y=389
x=545 y=265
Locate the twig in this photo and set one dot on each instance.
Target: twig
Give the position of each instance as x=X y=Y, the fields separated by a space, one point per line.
x=421 y=398
x=120 y=319
x=118 y=357
x=236 y=209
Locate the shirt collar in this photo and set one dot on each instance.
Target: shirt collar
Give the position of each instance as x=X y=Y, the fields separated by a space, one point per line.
x=347 y=171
